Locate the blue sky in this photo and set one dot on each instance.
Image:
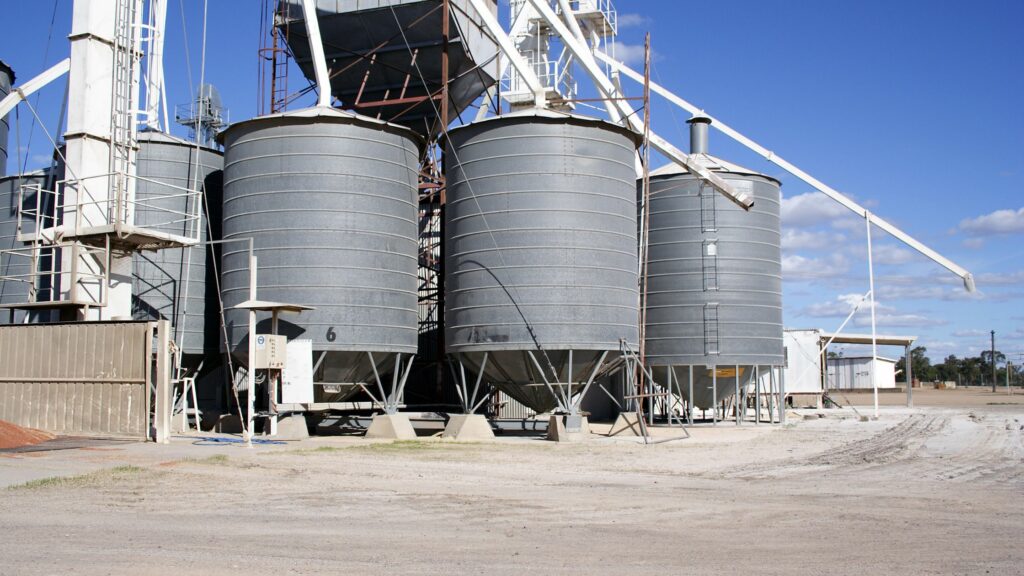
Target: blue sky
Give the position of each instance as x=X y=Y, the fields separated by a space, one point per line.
x=913 y=108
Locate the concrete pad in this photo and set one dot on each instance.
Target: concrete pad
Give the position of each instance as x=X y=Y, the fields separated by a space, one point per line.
x=468 y=427
x=627 y=424
x=559 y=430
x=391 y=427
x=292 y=427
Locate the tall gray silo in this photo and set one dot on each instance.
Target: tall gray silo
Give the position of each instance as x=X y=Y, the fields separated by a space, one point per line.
x=329 y=199
x=6 y=79
x=541 y=251
x=15 y=268
x=166 y=166
x=714 y=293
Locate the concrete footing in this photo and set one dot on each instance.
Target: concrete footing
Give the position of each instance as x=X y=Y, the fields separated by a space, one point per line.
x=565 y=429
x=627 y=424
x=471 y=427
x=391 y=427
x=292 y=427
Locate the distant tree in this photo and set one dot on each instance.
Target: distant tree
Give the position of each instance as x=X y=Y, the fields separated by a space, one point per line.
x=919 y=362
x=949 y=369
x=986 y=357
x=973 y=370
x=832 y=355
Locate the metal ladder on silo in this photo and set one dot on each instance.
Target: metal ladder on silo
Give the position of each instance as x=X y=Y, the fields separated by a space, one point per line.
x=709 y=264
x=711 y=328
x=708 y=221
x=709 y=248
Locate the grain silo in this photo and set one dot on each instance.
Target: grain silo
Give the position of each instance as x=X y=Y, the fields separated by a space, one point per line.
x=16 y=279
x=329 y=199
x=167 y=167
x=714 y=292
x=541 y=253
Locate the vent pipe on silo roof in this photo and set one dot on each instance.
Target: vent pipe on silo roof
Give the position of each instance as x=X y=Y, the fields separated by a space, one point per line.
x=699 y=134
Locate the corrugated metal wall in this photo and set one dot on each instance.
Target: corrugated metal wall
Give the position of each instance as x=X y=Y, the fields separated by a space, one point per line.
x=855 y=373
x=510 y=408
x=81 y=379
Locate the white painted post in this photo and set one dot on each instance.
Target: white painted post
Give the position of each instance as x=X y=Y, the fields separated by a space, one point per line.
x=874 y=336
x=251 y=392
x=163 y=382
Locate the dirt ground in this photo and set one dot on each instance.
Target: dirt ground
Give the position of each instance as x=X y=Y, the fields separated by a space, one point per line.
x=933 y=490
x=959 y=397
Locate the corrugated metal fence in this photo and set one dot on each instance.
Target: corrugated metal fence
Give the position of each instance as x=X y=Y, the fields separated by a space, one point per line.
x=81 y=379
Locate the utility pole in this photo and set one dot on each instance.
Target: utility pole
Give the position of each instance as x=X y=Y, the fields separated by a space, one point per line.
x=993 y=361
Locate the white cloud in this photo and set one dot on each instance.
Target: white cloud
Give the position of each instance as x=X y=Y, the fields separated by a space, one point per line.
x=969 y=333
x=631 y=54
x=633 y=20
x=840 y=307
x=810 y=240
x=1001 y=278
x=923 y=290
x=795 y=266
x=885 y=316
x=900 y=320
x=890 y=254
x=974 y=243
x=810 y=209
x=1006 y=221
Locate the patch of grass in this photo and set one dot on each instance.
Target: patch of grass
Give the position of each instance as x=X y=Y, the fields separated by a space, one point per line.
x=411 y=446
x=218 y=460
x=306 y=451
x=116 y=473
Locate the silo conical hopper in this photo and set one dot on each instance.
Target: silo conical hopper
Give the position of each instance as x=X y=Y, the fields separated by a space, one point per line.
x=541 y=253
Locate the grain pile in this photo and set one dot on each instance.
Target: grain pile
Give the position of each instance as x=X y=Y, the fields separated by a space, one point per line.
x=14 y=436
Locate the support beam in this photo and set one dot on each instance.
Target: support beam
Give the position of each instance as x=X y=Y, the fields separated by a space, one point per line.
x=155 y=67
x=22 y=92
x=585 y=56
x=316 y=48
x=818 y=185
x=508 y=48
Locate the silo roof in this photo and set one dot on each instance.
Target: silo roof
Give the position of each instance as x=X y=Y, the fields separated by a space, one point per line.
x=165 y=138
x=544 y=114
x=712 y=163
x=7 y=68
x=327 y=113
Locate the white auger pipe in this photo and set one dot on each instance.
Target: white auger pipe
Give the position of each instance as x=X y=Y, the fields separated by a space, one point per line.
x=818 y=185
x=316 y=48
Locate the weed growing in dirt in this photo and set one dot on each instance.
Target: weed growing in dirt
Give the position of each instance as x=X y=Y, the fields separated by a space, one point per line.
x=117 y=473
x=218 y=460
x=413 y=446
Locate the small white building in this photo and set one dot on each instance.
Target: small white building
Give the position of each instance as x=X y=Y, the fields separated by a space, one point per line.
x=854 y=373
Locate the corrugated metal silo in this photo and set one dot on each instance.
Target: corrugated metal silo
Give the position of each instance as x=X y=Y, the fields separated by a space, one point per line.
x=330 y=200
x=714 y=293
x=540 y=247
x=166 y=165
x=12 y=289
x=6 y=79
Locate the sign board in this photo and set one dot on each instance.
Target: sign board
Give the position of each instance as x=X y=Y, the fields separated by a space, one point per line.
x=297 y=379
